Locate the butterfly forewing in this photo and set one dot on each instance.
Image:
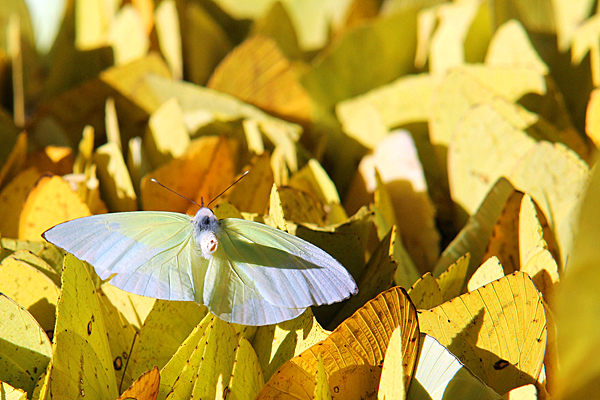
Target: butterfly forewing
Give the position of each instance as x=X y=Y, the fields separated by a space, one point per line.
x=152 y=253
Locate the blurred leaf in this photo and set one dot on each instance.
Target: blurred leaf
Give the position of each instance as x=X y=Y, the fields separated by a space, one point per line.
x=167 y=137
x=276 y=344
x=15 y=160
x=80 y=343
x=592 y=118
x=577 y=304
x=510 y=46
x=390 y=387
x=115 y=183
x=425 y=293
x=127 y=35
x=24 y=348
x=525 y=392
x=497 y=331
x=12 y=200
x=259 y=182
x=57 y=160
x=168 y=31
x=491 y=270
x=353 y=354
x=50 y=202
x=464 y=30
x=347 y=70
x=440 y=375
x=368 y=117
x=257 y=72
x=278 y=25
x=145 y=387
x=201 y=57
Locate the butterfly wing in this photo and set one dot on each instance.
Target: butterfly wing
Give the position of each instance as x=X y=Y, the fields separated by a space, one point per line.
x=151 y=253
x=269 y=274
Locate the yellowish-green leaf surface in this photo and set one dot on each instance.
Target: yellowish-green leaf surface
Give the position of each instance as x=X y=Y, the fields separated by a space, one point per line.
x=425 y=293
x=80 y=345
x=453 y=280
x=25 y=349
x=322 y=391
x=13 y=163
x=50 y=202
x=498 y=331
x=276 y=344
x=165 y=328
x=168 y=30
x=12 y=200
x=167 y=136
x=353 y=353
x=390 y=387
x=259 y=181
x=31 y=288
x=489 y=271
x=246 y=374
x=576 y=305
x=115 y=183
x=10 y=393
x=525 y=392
x=133 y=307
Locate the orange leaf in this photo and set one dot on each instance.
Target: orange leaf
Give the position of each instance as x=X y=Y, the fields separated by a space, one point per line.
x=145 y=387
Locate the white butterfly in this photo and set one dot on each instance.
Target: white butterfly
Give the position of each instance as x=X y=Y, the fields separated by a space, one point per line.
x=244 y=272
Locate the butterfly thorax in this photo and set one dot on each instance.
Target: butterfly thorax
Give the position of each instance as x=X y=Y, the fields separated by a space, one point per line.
x=206 y=229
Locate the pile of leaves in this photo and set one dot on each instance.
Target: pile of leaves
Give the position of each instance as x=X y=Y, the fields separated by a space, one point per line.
x=442 y=151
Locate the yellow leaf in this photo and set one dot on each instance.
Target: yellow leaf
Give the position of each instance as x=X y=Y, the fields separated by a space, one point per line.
x=25 y=349
x=257 y=72
x=113 y=134
x=376 y=277
x=511 y=47
x=80 y=343
x=592 y=117
x=487 y=272
x=85 y=150
x=145 y=387
x=127 y=35
x=555 y=178
x=91 y=24
x=276 y=211
x=201 y=58
x=120 y=335
x=168 y=30
x=50 y=202
x=46 y=251
x=138 y=163
x=12 y=200
x=440 y=375
x=353 y=353
x=584 y=41
x=497 y=331
x=525 y=392
x=276 y=344
x=577 y=304
x=165 y=328
x=10 y=393
x=301 y=207
x=14 y=160
x=425 y=293
x=246 y=375
x=390 y=387
x=115 y=182
x=259 y=182
x=135 y=308
x=278 y=25
x=475 y=235
x=31 y=288
x=368 y=117
x=38 y=263
x=322 y=391
x=167 y=136
x=454 y=279
x=449 y=41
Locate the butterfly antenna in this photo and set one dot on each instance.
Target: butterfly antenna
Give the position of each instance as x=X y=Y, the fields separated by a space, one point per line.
x=180 y=195
x=228 y=187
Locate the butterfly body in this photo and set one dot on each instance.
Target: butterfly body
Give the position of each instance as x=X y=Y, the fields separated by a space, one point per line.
x=243 y=271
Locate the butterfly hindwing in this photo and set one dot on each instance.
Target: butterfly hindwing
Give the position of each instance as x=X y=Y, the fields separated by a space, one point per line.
x=151 y=253
x=257 y=267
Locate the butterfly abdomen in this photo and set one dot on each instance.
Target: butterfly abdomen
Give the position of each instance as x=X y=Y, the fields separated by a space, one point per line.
x=206 y=229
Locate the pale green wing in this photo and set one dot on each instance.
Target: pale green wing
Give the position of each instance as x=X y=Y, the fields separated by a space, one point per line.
x=151 y=253
x=264 y=275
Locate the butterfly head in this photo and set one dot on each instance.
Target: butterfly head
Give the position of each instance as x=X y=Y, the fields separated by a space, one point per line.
x=206 y=227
